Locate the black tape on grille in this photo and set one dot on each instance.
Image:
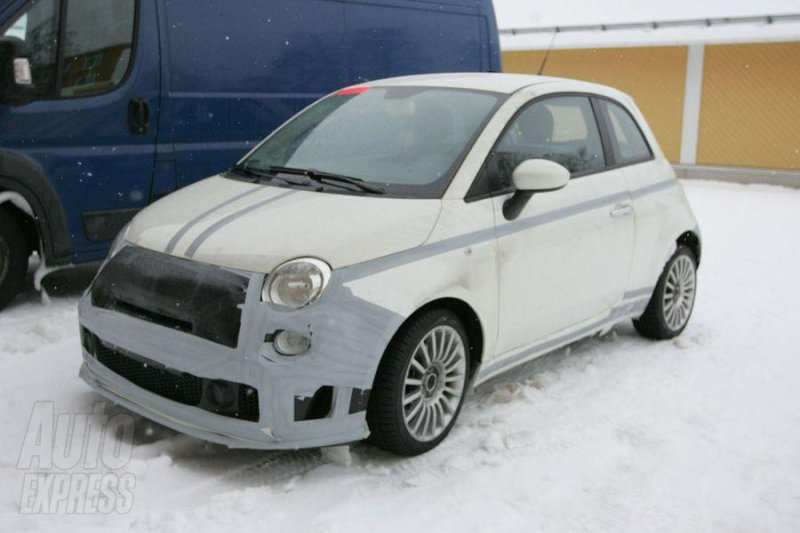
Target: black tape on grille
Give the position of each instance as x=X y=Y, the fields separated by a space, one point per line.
x=199 y=299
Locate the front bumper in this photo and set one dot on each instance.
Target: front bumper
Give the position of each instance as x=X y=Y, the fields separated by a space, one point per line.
x=349 y=335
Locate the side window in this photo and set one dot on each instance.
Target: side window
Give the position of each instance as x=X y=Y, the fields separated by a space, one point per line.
x=562 y=129
x=37 y=26
x=98 y=45
x=630 y=143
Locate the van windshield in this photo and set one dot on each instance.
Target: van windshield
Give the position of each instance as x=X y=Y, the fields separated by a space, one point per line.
x=407 y=140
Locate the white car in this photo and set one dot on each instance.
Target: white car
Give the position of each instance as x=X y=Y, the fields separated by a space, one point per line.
x=389 y=247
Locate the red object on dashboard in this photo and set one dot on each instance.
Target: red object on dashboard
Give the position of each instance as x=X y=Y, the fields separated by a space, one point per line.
x=353 y=91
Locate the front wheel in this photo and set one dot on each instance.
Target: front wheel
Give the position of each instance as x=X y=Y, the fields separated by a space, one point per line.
x=13 y=258
x=672 y=302
x=420 y=385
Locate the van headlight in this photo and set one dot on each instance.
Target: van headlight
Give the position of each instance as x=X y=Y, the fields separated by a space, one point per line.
x=297 y=283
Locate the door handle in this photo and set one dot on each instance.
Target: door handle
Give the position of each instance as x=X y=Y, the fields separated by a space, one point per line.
x=139 y=116
x=622 y=210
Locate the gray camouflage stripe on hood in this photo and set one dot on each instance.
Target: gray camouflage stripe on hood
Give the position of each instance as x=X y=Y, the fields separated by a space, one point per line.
x=216 y=226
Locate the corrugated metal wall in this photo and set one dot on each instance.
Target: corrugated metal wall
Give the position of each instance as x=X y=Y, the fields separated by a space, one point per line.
x=750 y=110
x=654 y=76
x=750 y=106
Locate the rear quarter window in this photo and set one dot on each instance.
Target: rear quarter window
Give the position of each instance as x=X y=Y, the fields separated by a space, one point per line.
x=629 y=143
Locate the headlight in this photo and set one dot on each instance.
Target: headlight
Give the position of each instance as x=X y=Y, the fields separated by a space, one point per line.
x=297 y=283
x=119 y=241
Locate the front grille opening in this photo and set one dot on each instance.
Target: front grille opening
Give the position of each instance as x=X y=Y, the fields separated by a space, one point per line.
x=225 y=398
x=179 y=387
x=194 y=298
x=152 y=316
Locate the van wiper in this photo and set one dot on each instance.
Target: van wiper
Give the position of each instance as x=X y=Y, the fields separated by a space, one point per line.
x=321 y=176
x=260 y=174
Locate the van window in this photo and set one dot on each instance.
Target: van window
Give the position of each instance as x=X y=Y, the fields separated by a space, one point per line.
x=630 y=143
x=98 y=45
x=37 y=25
x=19 y=28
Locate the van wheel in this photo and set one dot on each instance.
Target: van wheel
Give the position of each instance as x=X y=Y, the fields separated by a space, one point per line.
x=13 y=258
x=672 y=302
x=420 y=385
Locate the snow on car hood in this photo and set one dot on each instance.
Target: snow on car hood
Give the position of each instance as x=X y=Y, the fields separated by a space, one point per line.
x=256 y=227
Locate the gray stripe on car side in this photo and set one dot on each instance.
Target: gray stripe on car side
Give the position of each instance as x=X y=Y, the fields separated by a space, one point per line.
x=368 y=268
x=425 y=251
x=627 y=308
x=545 y=346
x=216 y=226
x=655 y=187
x=189 y=225
x=644 y=291
x=454 y=243
x=558 y=214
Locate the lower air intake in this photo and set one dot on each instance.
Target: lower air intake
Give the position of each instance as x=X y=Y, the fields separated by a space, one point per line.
x=225 y=398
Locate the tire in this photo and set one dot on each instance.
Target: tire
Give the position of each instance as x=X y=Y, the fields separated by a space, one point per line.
x=413 y=404
x=678 y=283
x=13 y=258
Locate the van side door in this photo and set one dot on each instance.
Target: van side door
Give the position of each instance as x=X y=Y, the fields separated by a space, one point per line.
x=565 y=260
x=238 y=70
x=92 y=128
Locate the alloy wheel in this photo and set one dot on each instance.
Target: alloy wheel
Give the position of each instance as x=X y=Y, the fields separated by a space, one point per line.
x=434 y=383
x=679 y=292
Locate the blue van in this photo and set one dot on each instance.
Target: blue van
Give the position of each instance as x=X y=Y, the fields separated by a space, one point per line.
x=108 y=105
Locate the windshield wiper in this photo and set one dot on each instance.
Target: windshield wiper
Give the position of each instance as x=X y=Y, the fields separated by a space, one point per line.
x=321 y=176
x=261 y=174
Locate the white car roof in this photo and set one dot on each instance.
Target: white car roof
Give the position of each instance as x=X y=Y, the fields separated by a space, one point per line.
x=495 y=82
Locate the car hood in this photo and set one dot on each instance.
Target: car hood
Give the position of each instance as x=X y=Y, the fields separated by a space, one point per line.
x=257 y=227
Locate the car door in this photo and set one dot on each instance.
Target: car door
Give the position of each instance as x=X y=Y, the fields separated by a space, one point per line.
x=92 y=127
x=565 y=260
x=656 y=194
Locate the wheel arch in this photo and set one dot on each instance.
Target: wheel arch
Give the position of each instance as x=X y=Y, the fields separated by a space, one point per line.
x=691 y=239
x=469 y=318
x=34 y=199
x=15 y=205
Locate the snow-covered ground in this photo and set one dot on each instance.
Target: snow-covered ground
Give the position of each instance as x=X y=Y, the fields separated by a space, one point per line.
x=613 y=434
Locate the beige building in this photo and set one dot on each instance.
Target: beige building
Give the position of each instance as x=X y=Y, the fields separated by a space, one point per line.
x=721 y=98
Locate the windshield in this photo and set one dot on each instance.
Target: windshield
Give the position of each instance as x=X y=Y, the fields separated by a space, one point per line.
x=407 y=140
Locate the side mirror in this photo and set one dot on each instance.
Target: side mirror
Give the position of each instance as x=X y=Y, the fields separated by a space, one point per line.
x=16 y=80
x=532 y=176
x=540 y=175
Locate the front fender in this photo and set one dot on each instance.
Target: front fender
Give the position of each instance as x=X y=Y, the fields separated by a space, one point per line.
x=24 y=177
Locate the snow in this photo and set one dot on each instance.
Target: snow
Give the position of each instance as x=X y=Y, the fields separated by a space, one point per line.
x=527 y=14
x=751 y=32
x=612 y=434
x=523 y=14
